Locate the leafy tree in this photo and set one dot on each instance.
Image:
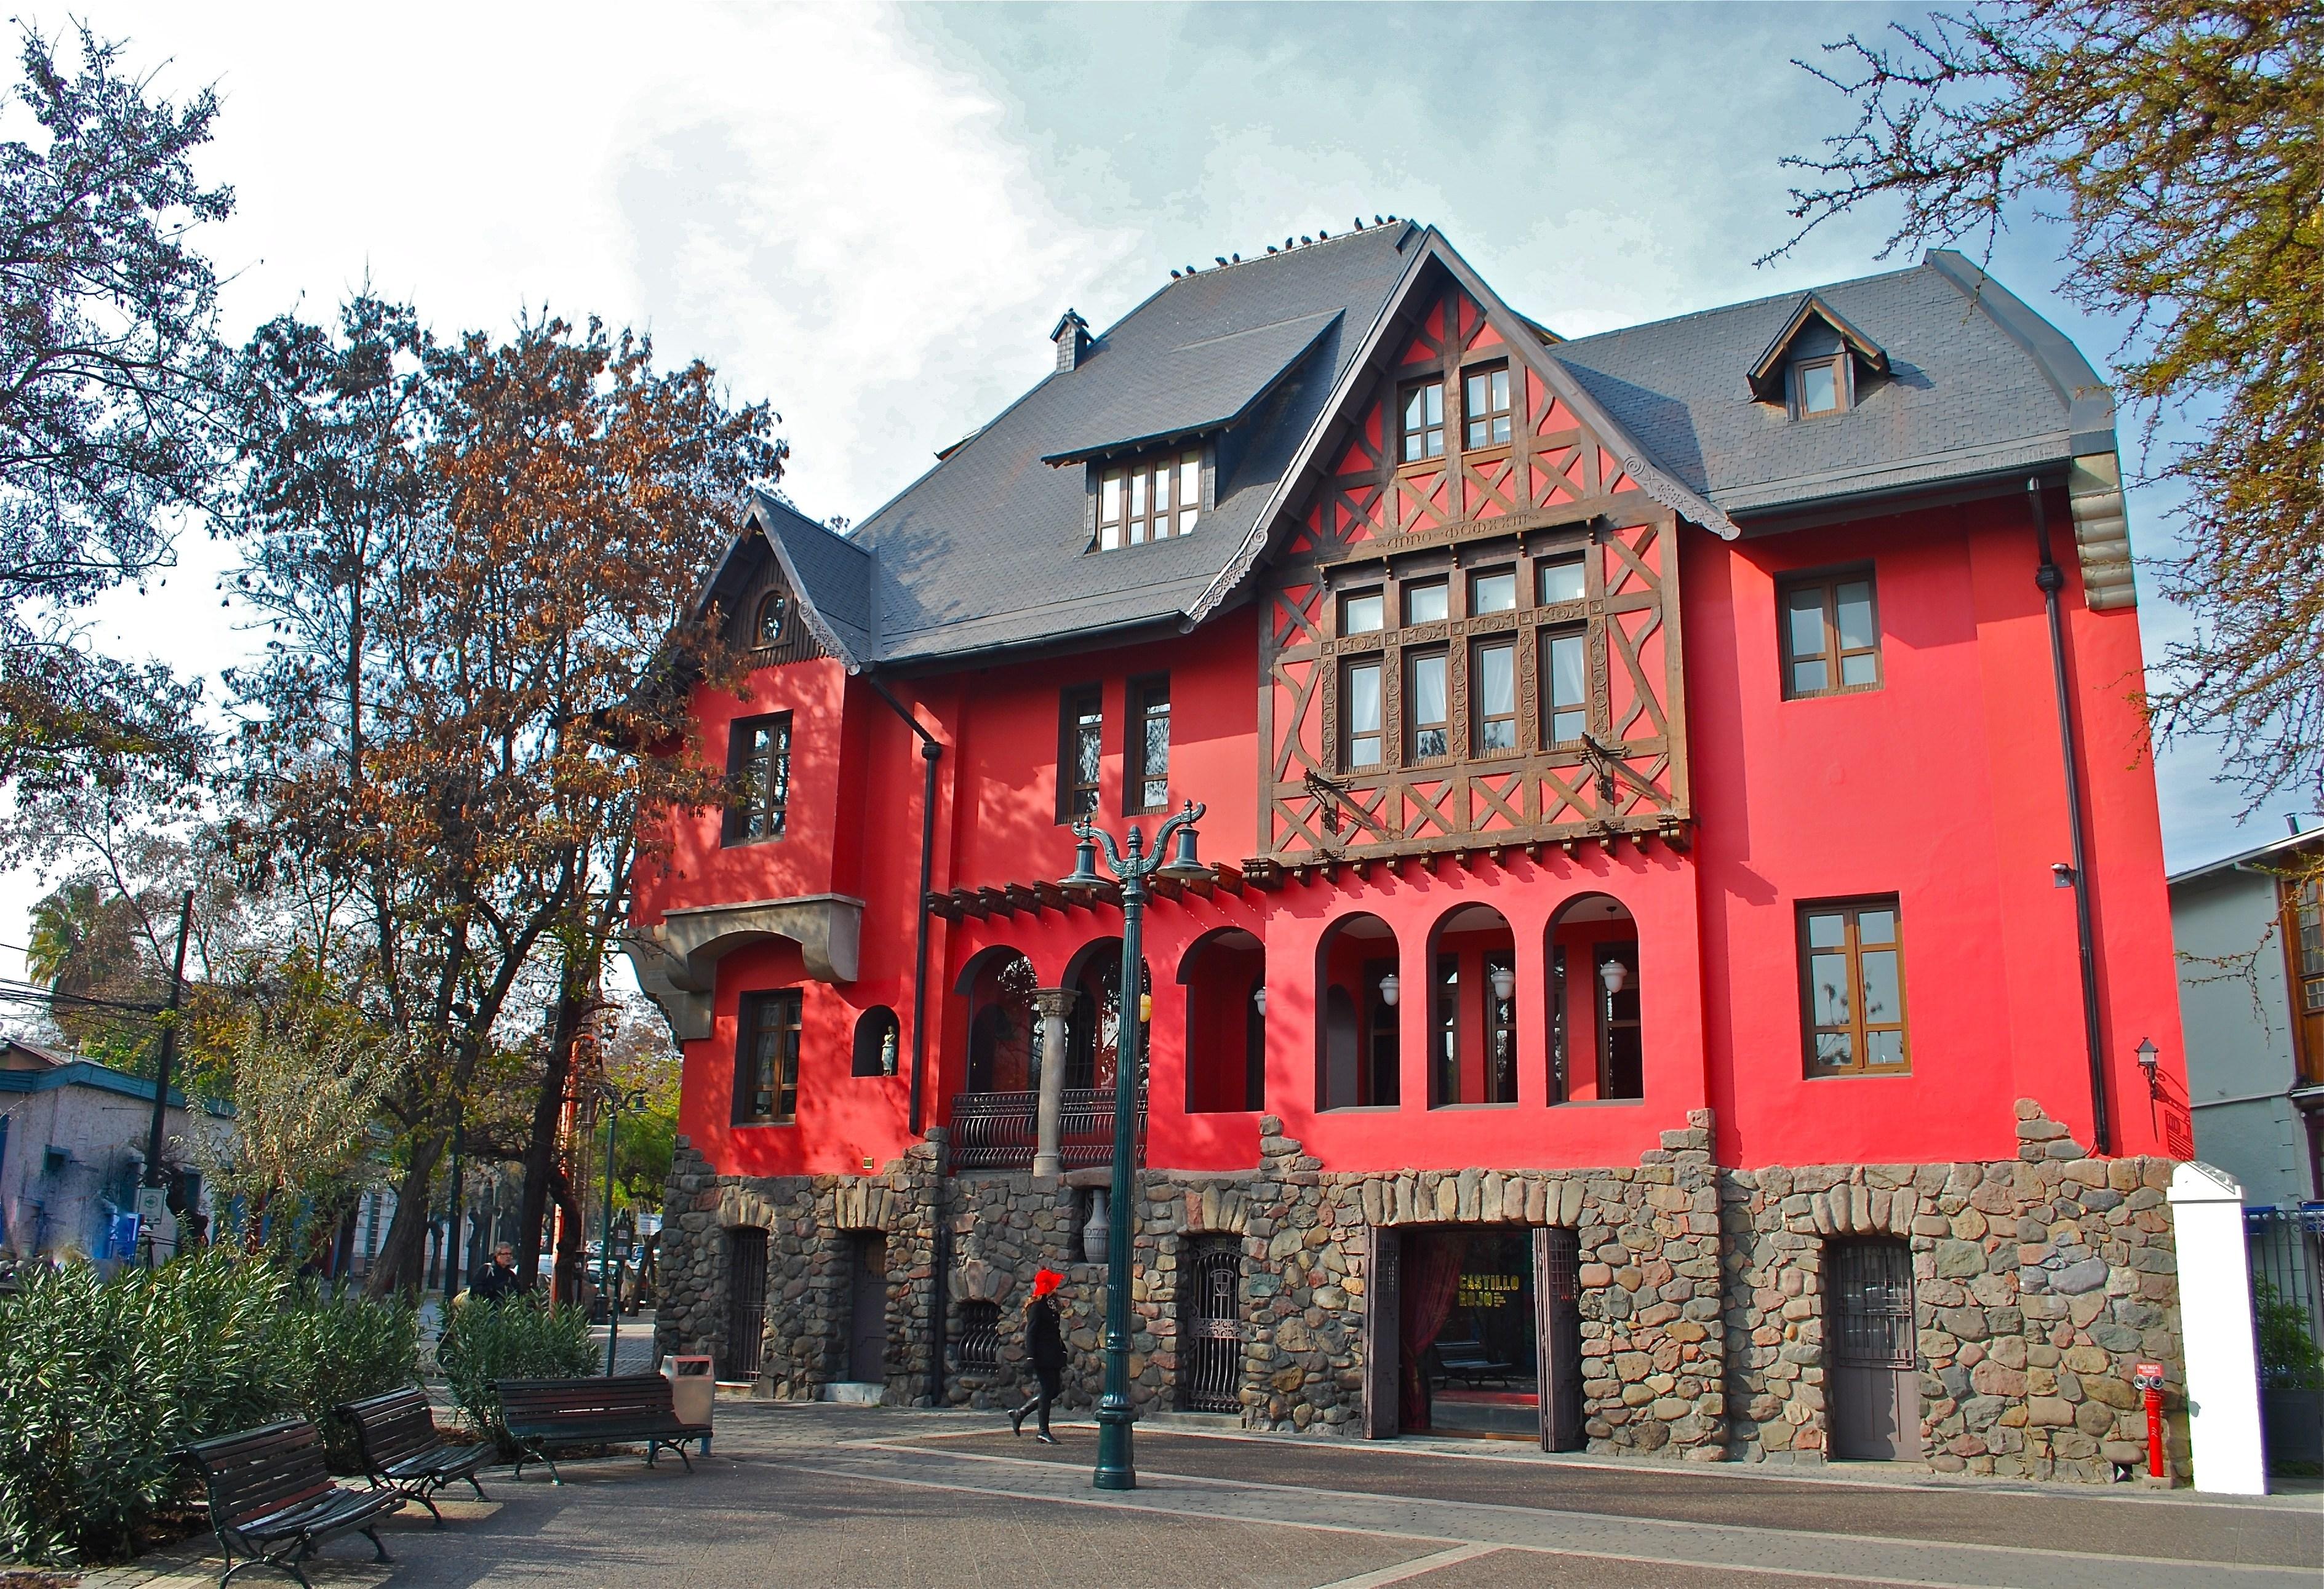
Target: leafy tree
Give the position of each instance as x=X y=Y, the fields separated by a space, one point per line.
x=110 y=375
x=477 y=559
x=2181 y=145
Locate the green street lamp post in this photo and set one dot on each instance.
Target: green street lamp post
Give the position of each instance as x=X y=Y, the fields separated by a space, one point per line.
x=616 y=1100
x=1116 y=1468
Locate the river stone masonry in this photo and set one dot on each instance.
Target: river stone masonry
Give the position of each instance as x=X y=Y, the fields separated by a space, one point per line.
x=2038 y=1282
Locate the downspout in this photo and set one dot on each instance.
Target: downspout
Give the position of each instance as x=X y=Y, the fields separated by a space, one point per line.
x=930 y=751
x=2051 y=579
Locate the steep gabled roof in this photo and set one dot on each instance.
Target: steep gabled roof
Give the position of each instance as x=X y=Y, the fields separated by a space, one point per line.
x=829 y=575
x=988 y=550
x=1766 y=376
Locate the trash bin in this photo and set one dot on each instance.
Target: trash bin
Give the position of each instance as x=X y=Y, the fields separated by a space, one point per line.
x=693 y=1389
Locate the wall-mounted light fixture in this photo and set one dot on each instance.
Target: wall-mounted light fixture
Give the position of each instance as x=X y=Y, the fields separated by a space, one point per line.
x=1615 y=975
x=1505 y=983
x=2148 y=1054
x=1259 y=1000
x=1388 y=986
x=2062 y=875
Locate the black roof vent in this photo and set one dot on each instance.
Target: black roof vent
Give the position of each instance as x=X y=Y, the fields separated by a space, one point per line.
x=1073 y=339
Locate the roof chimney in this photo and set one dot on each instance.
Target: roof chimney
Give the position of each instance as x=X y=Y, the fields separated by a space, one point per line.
x=1073 y=339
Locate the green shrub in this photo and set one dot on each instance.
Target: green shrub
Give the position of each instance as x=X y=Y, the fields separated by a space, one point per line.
x=2287 y=1357
x=517 y=1339
x=106 y=1379
x=334 y=1351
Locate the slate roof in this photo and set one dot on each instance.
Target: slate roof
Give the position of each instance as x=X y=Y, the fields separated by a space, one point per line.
x=988 y=551
x=1974 y=390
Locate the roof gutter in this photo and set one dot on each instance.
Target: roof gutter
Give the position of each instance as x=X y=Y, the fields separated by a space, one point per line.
x=2051 y=579
x=931 y=749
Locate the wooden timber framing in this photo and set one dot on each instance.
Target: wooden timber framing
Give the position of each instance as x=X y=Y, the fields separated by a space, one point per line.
x=1368 y=521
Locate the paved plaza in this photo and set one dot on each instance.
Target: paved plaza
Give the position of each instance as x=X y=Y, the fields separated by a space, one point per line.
x=822 y=1495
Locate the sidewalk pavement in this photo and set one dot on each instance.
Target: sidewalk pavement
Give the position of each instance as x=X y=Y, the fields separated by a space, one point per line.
x=813 y=1495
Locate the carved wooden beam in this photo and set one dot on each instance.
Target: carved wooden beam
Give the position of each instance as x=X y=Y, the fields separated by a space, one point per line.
x=1228 y=877
x=1021 y=897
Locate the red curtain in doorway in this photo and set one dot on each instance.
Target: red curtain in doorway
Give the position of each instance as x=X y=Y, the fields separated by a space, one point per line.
x=1432 y=1278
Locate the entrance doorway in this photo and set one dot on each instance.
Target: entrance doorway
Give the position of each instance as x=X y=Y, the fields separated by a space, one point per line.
x=1874 y=1380
x=746 y=1303
x=1210 y=1328
x=867 y=1332
x=1474 y=1330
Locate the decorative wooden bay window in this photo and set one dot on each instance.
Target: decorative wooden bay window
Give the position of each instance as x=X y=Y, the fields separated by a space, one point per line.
x=1470 y=645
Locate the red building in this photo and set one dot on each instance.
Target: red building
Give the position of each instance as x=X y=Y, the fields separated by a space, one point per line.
x=1689 y=891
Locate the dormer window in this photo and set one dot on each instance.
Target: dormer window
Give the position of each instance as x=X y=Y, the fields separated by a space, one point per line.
x=1818 y=363
x=1819 y=386
x=773 y=620
x=1151 y=500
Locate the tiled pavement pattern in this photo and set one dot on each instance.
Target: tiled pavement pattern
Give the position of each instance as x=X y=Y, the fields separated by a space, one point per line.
x=815 y=1495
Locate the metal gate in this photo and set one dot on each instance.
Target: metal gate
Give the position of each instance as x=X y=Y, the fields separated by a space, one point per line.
x=1557 y=1354
x=1210 y=1328
x=2286 y=1246
x=1874 y=1380
x=746 y=1302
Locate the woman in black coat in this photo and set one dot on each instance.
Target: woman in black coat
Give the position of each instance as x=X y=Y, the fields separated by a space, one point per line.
x=1045 y=1342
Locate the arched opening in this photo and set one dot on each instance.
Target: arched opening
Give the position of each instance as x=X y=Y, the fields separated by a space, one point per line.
x=876 y=1035
x=1472 y=1020
x=1356 y=1057
x=1092 y=1032
x=1595 y=1049
x=1003 y=1033
x=1226 y=975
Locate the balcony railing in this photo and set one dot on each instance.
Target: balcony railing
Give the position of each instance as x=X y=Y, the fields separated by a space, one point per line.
x=998 y=1130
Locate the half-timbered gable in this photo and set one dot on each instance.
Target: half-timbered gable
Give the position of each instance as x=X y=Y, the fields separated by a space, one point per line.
x=1471 y=614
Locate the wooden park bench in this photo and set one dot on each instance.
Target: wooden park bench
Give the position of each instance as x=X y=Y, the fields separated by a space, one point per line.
x=271 y=1498
x=395 y=1433
x=545 y=1415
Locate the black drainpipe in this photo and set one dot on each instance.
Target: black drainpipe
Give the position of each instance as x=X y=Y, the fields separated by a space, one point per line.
x=2051 y=579
x=930 y=751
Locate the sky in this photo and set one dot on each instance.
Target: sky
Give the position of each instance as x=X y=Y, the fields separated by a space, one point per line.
x=870 y=217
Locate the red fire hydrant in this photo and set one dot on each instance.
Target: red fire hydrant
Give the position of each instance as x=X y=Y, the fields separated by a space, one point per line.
x=2149 y=1379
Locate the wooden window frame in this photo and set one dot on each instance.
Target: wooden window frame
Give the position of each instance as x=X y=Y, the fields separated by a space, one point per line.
x=1833 y=656
x=1140 y=702
x=1515 y=717
x=1070 y=702
x=1409 y=587
x=2296 y=898
x=1858 y=1029
x=1443 y=427
x=1377 y=660
x=1842 y=385
x=1409 y=746
x=1375 y=592
x=740 y=814
x=751 y=1024
x=1150 y=525
x=1508 y=571
x=1506 y=412
x=1546 y=710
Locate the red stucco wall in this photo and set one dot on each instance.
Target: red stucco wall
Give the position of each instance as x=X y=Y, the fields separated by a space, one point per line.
x=1943 y=788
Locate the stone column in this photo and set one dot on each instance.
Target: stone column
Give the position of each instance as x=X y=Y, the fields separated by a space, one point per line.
x=1052 y=1004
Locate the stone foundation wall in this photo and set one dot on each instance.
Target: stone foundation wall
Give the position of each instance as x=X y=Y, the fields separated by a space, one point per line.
x=2037 y=1282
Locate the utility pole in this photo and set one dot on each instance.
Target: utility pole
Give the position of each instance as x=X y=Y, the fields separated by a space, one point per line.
x=151 y=1205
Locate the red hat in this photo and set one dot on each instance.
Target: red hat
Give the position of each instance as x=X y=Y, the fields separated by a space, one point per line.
x=1046 y=1280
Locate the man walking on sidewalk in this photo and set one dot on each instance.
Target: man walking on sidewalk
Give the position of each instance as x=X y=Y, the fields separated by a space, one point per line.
x=1045 y=1342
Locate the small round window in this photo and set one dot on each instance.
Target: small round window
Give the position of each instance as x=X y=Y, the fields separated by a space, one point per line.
x=774 y=615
